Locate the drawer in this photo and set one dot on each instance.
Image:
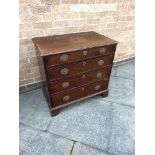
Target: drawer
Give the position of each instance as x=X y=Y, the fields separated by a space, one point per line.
x=79 y=67
x=80 y=54
x=80 y=79
x=76 y=93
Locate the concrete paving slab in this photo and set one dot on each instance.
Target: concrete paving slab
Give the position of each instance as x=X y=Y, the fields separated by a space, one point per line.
x=114 y=71
x=35 y=142
x=34 y=109
x=122 y=140
x=121 y=83
x=121 y=91
x=87 y=122
x=121 y=96
x=126 y=70
x=80 y=149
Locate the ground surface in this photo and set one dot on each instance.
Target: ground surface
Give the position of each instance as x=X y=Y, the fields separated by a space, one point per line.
x=95 y=126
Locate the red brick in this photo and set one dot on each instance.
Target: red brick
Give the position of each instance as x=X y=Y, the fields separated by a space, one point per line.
x=70 y=29
x=70 y=1
x=69 y=15
x=23 y=60
x=64 y=23
x=87 y=1
x=30 y=18
x=25 y=27
x=40 y=9
x=94 y=21
x=25 y=82
x=38 y=79
x=42 y=25
x=81 y=22
x=29 y=2
x=24 y=10
x=34 y=33
x=51 y=2
x=25 y=41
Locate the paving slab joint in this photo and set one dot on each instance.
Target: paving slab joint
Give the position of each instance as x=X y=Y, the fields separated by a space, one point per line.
x=118 y=76
x=122 y=104
x=72 y=148
x=126 y=105
x=46 y=130
x=110 y=128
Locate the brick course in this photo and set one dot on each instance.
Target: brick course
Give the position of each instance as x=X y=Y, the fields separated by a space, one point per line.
x=113 y=18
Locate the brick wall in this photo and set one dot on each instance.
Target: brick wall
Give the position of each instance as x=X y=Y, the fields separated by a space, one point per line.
x=113 y=18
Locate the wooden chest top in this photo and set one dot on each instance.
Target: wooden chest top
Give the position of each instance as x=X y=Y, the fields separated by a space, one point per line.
x=70 y=42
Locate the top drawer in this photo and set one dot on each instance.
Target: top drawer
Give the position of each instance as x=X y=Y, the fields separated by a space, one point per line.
x=80 y=54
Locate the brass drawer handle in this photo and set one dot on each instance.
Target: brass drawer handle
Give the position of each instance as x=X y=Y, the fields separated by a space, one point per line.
x=64 y=58
x=66 y=98
x=99 y=75
x=84 y=64
x=102 y=50
x=85 y=52
x=83 y=76
x=64 y=71
x=97 y=87
x=100 y=62
x=65 y=84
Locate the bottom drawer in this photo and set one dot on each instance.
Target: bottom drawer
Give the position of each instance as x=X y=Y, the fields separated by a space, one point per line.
x=77 y=93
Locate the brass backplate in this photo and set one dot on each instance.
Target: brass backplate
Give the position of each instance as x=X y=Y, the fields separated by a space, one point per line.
x=102 y=50
x=85 y=52
x=64 y=58
x=100 y=62
x=99 y=75
x=65 y=84
x=64 y=71
x=66 y=98
x=97 y=87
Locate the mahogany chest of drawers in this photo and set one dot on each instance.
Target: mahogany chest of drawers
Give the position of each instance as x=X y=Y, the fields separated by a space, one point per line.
x=77 y=66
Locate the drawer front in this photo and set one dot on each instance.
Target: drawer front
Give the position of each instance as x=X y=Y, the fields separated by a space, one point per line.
x=80 y=54
x=80 y=79
x=76 y=93
x=79 y=67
